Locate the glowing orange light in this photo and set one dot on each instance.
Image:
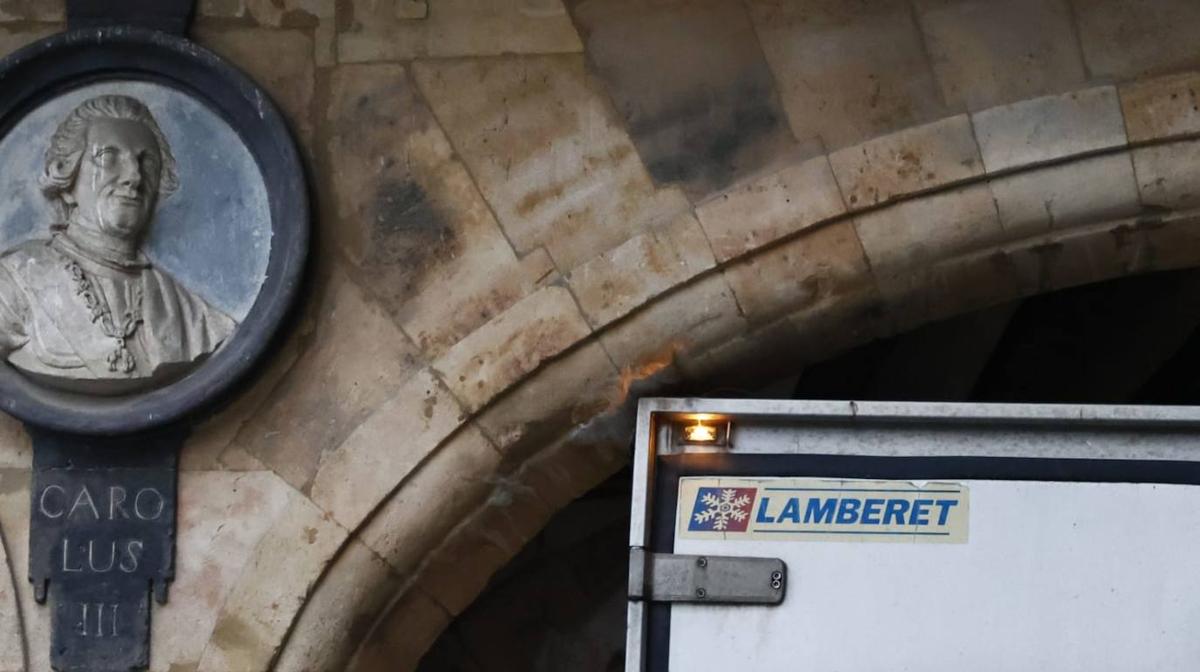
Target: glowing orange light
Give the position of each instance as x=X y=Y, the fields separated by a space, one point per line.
x=700 y=433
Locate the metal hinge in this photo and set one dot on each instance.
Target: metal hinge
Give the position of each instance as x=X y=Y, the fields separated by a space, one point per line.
x=663 y=577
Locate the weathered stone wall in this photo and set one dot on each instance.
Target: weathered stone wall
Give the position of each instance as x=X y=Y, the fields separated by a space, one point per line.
x=529 y=212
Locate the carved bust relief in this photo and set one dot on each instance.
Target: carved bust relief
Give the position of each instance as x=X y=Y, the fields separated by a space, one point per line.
x=84 y=306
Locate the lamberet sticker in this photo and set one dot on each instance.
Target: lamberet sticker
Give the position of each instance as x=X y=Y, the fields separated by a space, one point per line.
x=797 y=509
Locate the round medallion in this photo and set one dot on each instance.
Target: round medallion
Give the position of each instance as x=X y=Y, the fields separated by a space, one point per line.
x=153 y=229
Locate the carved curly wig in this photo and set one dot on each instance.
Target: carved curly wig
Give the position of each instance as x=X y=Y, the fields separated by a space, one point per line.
x=69 y=141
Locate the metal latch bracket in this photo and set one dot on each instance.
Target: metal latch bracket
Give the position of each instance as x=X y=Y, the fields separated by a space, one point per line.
x=707 y=579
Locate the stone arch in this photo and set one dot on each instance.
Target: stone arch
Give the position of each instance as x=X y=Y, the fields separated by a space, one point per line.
x=487 y=301
x=808 y=259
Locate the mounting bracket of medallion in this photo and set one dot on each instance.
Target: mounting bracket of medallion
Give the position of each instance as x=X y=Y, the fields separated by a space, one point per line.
x=168 y=16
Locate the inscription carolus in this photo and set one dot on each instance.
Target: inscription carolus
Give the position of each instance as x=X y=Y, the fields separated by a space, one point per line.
x=103 y=522
x=101 y=535
x=102 y=540
x=84 y=309
x=114 y=505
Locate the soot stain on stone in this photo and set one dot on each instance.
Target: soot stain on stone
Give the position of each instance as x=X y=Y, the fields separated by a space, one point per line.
x=408 y=236
x=704 y=141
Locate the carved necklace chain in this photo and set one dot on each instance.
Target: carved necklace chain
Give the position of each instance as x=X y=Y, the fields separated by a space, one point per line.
x=120 y=359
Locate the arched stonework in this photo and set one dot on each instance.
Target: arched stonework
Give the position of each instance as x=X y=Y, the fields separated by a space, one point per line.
x=13 y=656
x=801 y=275
x=520 y=231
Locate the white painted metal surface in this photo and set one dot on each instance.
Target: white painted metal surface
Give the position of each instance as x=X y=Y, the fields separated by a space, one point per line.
x=1080 y=577
x=1054 y=575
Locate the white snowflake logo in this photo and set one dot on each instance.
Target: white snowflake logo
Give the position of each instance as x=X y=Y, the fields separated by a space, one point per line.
x=729 y=506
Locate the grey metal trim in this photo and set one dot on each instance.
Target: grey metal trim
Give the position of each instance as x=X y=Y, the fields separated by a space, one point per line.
x=643 y=473
x=935 y=412
x=665 y=577
x=635 y=637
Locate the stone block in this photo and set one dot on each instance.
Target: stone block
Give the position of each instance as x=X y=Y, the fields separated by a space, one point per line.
x=920 y=295
x=569 y=468
x=1080 y=256
x=1126 y=39
x=770 y=207
x=921 y=231
x=512 y=345
x=1169 y=175
x=12 y=39
x=820 y=266
x=1162 y=108
x=222 y=518
x=1048 y=128
x=412 y=9
x=399 y=640
x=280 y=61
x=1081 y=192
x=680 y=325
x=561 y=396
x=338 y=615
x=848 y=70
x=551 y=158
x=641 y=268
x=212 y=443
x=269 y=593
x=223 y=9
x=454 y=481
x=16 y=450
x=14 y=523
x=829 y=329
x=419 y=234
x=12 y=635
x=13 y=11
x=988 y=53
x=460 y=568
x=909 y=161
x=1169 y=243
x=399 y=435
x=745 y=362
x=383 y=30
x=325 y=44
x=276 y=13
x=355 y=361
x=692 y=84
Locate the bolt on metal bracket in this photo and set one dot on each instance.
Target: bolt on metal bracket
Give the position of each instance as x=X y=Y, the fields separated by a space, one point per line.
x=664 y=577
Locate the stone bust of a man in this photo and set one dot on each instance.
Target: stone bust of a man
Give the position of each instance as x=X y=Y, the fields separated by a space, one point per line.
x=84 y=309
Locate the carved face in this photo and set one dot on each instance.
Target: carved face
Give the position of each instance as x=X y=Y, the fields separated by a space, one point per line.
x=117 y=186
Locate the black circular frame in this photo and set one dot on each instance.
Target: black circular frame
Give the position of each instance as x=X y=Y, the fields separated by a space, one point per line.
x=65 y=61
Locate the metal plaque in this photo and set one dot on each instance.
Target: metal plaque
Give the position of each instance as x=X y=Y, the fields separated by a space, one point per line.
x=102 y=540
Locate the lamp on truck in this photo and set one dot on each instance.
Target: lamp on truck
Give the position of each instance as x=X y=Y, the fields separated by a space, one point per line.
x=703 y=430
